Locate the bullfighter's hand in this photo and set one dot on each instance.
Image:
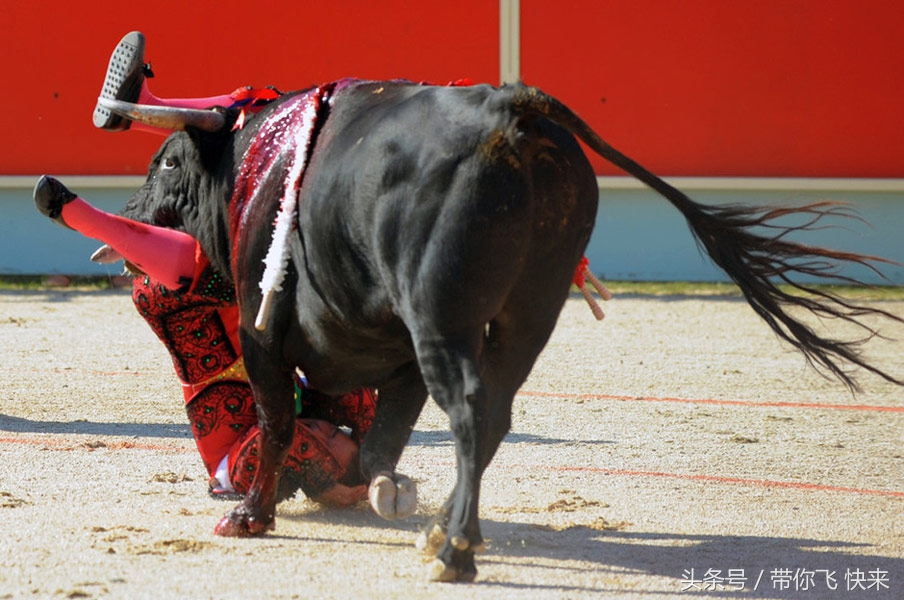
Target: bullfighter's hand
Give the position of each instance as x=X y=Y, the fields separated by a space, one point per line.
x=50 y=196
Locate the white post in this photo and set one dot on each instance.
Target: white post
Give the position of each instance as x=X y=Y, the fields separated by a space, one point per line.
x=509 y=41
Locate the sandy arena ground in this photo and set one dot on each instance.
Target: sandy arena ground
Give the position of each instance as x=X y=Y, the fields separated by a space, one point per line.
x=677 y=435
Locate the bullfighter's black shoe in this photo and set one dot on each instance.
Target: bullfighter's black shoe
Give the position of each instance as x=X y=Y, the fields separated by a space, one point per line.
x=125 y=76
x=50 y=196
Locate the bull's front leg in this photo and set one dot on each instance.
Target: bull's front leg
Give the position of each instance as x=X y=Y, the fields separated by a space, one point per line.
x=392 y=495
x=273 y=394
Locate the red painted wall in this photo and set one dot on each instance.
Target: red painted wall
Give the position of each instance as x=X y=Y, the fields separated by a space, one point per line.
x=53 y=55
x=687 y=87
x=730 y=88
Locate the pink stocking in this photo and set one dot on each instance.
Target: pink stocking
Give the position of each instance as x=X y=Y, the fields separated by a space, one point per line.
x=240 y=97
x=167 y=255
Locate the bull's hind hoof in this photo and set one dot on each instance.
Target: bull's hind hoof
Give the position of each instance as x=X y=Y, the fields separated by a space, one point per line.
x=237 y=523
x=431 y=539
x=392 y=496
x=440 y=571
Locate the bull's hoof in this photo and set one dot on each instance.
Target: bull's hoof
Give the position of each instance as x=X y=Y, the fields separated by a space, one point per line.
x=431 y=539
x=392 y=496
x=441 y=571
x=238 y=523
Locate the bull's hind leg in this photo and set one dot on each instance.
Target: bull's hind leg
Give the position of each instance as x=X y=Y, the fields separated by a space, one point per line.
x=273 y=394
x=451 y=373
x=513 y=341
x=493 y=416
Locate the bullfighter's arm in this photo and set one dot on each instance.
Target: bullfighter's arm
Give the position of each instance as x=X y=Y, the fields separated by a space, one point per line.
x=167 y=255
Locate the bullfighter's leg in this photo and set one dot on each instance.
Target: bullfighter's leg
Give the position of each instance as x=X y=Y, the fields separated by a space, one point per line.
x=126 y=79
x=392 y=495
x=165 y=254
x=273 y=393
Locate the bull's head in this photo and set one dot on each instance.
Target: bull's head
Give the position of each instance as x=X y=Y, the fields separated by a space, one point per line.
x=189 y=178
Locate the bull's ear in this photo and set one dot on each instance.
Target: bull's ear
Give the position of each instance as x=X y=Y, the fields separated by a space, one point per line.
x=213 y=146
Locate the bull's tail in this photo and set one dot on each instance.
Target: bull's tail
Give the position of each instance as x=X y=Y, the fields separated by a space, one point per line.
x=756 y=263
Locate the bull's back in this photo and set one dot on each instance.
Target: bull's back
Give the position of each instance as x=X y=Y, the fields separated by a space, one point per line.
x=432 y=204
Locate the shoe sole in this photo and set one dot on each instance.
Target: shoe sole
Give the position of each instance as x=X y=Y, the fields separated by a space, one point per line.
x=123 y=80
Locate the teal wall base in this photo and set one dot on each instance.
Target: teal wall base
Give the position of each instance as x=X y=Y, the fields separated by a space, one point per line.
x=638 y=236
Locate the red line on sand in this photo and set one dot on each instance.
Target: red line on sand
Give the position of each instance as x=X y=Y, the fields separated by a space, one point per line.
x=71 y=444
x=860 y=407
x=717 y=479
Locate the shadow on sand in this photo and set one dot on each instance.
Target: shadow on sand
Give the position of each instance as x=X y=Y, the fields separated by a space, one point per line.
x=762 y=567
x=81 y=427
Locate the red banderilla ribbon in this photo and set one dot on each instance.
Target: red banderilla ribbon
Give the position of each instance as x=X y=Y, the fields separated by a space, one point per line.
x=582 y=274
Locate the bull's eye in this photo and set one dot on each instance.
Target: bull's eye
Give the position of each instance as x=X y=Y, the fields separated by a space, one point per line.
x=169 y=163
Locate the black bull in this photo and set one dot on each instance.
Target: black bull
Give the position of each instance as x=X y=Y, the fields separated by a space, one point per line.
x=438 y=230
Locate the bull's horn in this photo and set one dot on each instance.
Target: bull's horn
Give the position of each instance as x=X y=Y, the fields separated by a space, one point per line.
x=105 y=255
x=166 y=117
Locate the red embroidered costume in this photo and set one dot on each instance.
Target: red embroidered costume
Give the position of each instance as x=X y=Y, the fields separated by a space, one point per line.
x=193 y=311
x=199 y=327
